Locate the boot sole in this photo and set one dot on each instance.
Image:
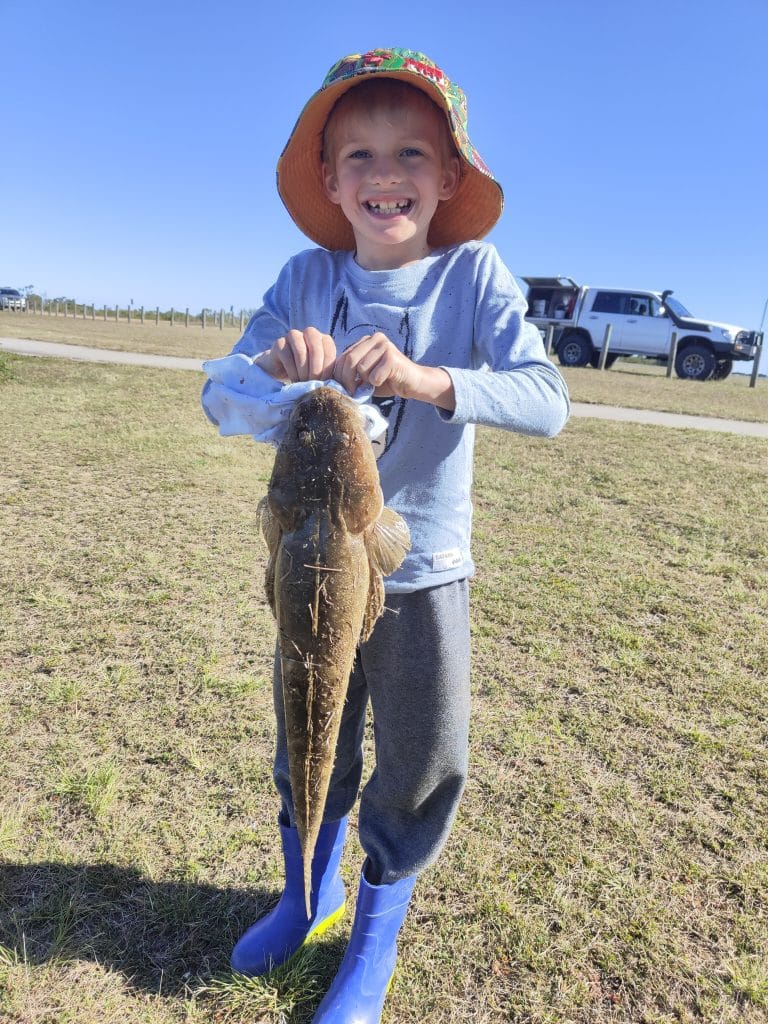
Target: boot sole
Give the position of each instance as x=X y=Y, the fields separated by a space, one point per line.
x=324 y=925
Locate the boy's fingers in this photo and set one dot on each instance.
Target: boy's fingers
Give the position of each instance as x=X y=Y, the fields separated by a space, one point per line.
x=284 y=352
x=347 y=370
x=321 y=354
x=301 y=355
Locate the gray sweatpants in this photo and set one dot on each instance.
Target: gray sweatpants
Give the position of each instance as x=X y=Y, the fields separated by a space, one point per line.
x=415 y=670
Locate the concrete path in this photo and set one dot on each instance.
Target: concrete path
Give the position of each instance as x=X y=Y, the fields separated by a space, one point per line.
x=21 y=346
x=600 y=412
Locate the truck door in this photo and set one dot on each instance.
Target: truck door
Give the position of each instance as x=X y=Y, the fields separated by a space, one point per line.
x=605 y=310
x=643 y=330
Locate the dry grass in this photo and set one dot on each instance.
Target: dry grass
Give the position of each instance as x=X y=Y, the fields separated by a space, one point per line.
x=635 y=385
x=642 y=385
x=610 y=860
x=160 y=339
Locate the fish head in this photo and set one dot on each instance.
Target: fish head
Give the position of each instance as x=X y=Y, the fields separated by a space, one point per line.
x=326 y=461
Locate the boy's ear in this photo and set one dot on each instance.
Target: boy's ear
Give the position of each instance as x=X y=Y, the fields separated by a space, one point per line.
x=451 y=177
x=331 y=183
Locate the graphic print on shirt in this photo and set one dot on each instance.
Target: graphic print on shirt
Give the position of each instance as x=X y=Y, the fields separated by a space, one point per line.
x=346 y=334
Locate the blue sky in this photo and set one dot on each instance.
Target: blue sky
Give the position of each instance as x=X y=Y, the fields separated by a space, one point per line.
x=140 y=140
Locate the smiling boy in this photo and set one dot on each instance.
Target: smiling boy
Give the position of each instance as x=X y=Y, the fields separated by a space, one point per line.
x=401 y=295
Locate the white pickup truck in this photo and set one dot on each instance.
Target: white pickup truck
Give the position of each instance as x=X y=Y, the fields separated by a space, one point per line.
x=642 y=324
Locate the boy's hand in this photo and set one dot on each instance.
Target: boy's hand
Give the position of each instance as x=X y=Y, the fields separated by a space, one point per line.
x=300 y=355
x=376 y=360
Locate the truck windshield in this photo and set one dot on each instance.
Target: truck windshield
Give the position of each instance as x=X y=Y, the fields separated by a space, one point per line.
x=677 y=307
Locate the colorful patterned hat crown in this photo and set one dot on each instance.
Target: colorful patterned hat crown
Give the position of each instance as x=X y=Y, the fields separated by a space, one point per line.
x=470 y=213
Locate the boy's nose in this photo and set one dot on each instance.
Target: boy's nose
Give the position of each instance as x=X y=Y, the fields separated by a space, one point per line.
x=385 y=171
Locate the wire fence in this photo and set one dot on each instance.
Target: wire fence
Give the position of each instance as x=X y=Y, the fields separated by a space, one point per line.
x=213 y=318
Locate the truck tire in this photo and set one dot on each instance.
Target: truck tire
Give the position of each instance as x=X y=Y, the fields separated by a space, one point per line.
x=695 y=362
x=574 y=350
x=722 y=369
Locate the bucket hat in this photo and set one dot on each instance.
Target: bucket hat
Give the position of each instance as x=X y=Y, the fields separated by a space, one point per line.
x=470 y=213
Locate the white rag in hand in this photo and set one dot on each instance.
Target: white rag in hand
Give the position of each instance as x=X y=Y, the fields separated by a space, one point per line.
x=240 y=398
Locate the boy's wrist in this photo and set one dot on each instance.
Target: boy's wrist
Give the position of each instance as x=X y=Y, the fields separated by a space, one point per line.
x=434 y=386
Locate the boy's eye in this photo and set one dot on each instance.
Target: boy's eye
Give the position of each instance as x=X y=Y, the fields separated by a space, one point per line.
x=412 y=151
x=359 y=154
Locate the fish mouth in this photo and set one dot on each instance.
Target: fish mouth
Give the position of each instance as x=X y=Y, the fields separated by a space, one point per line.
x=388 y=207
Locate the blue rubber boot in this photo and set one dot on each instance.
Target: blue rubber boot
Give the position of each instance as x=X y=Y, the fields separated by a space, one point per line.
x=359 y=989
x=276 y=937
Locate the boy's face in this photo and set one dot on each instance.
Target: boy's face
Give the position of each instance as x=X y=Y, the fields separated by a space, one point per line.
x=388 y=172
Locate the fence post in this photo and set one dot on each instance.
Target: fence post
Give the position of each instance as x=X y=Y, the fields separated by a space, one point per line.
x=548 y=337
x=142 y=314
x=186 y=317
x=172 y=315
x=606 y=345
x=756 y=361
x=157 y=316
x=221 y=319
x=241 y=321
x=203 y=318
x=672 y=353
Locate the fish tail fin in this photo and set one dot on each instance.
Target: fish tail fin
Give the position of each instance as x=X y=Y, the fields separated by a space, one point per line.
x=308 y=884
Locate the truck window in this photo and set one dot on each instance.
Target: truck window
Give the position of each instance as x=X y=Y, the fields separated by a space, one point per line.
x=607 y=302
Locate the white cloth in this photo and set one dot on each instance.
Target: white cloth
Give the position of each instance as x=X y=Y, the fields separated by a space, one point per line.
x=240 y=398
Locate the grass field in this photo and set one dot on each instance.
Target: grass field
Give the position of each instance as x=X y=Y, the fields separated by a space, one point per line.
x=634 y=385
x=610 y=859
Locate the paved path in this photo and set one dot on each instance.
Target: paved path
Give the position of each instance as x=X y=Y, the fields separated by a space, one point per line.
x=95 y=355
x=600 y=412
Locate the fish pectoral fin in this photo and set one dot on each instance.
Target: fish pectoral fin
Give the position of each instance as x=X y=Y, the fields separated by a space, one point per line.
x=374 y=606
x=388 y=542
x=270 y=528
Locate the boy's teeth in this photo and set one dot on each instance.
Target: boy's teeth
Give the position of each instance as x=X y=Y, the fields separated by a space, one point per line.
x=390 y=207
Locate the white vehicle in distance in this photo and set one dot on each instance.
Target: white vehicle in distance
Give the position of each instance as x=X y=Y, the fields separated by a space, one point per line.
x=10 y=298
x=642 y=324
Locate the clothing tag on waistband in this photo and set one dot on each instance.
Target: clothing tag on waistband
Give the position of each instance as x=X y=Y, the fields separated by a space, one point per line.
x=442 y=560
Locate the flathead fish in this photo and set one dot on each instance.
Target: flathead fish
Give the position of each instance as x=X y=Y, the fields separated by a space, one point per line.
x=331 y=540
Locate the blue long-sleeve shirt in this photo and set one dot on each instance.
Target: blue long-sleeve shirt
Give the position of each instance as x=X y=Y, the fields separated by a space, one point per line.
x=459 y=309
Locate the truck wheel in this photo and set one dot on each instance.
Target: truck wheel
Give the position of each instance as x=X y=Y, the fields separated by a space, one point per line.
x=722 y=369
x=695 y=362
x=574 y=350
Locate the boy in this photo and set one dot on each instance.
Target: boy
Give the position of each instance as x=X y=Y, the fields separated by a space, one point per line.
x=380 y=172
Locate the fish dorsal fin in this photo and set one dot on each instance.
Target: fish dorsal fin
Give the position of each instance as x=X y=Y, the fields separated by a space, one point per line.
x=388 y=542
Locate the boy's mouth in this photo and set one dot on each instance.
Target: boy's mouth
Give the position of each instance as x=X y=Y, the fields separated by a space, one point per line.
x=386 y=207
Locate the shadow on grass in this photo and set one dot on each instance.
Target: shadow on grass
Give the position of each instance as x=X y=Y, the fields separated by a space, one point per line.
x=162 y=936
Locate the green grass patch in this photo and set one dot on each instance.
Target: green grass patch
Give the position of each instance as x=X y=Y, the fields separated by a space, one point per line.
x=610 y=858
